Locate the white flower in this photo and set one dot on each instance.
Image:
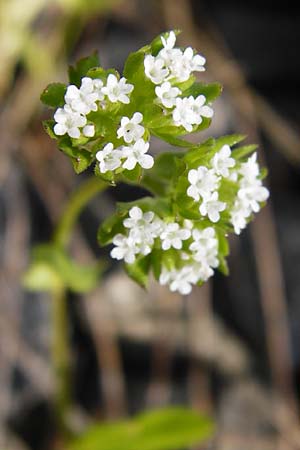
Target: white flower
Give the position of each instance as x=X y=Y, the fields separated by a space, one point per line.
x=125 y=248
x=212 y=207
x=252 y=193
x=238 y=215
x=138 y=219
x=109 y=158
x=155 y=69
x=117 y=90
x=200 y=109
x=173 y=235
x=167 y=94
x=222 y=162
x=203 y=182
x=178 y=280
x=189 y=111
x=130 y=129
x=68 y=122
x=136 y=154
x=202 y=270
x=98 y=85
x=250 y=169
x=170 y=41
x=145 y=226
x=183 y=114
x=89 y=130
x=185 y=63
x=82 y=100
x=203 y=239
x=205 y=246
x=197 y=63
x=169 y=54
x=181 y=280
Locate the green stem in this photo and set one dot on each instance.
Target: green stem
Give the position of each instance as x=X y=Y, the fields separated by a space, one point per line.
x=86 y=191
x=61 y=357
x=60 y=343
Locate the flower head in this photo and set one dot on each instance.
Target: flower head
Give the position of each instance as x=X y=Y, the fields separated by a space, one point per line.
x=68 y=122
x=109 y=158
x=203 y=182
x=212 y=207
x=167 y=94
x=222 y=162
x=117 y=90
x=130 y=129
x=155 y=69
x=189 y=111
x=125 y=248
x=173 y=235
x=136 y=154
x=82 y=100
x=252 y=193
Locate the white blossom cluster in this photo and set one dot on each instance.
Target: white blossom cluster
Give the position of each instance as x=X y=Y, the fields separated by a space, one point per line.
x=205 y=182
x=170 y=66
x=196 y=263
x=126 y=156
x=250 y=194
x=79 y=102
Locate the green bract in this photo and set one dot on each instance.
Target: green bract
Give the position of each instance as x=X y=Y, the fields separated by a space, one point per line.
x=198 y=193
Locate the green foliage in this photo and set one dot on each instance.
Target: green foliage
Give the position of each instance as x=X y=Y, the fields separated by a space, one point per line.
x=210 y=91
x=166 y=429
x=167 y=168
x=52 y=268
x=54 y=94
x=81 y=68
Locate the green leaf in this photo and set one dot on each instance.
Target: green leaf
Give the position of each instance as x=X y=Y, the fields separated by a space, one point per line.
x=77 y=72
x=133 y=63
x=242 y=152
x=54 y=95
x=52 y=267
x=171 y=139
x=165 y=429
x=139 y=270
x=110 y=227
x=161 y=206
x=81 y=159
x=48 y=127
x=230 y=139
x=133 y=176
x=210 y=91
x=41 y=277
x=167 y=168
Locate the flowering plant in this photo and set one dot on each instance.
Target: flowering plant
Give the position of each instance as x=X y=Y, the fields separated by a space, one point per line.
x=198 y=193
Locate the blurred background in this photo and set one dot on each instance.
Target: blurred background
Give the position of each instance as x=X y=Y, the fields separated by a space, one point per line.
x=231 y=348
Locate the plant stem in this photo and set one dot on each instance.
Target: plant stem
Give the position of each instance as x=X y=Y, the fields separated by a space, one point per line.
x=61 y=354
x=86 y=191
x=61 y=357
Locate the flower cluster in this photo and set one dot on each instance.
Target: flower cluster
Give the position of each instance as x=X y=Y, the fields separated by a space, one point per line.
x=172 y=66
x=79 y=102
x=205 y=184
x=197 y=249
x=250 y=194
x=127 y=156
x=179 y=232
